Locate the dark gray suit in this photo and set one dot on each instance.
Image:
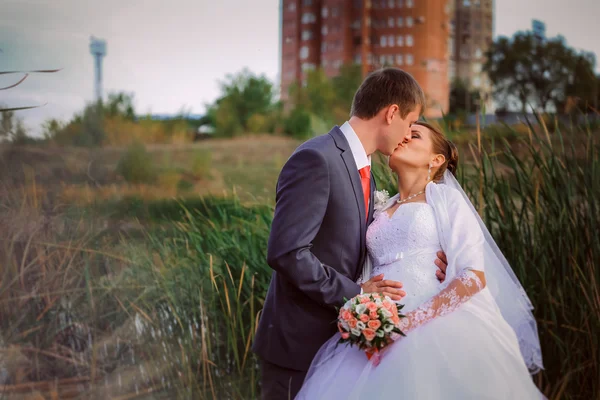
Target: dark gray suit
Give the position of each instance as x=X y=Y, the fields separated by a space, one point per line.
x=316 y=249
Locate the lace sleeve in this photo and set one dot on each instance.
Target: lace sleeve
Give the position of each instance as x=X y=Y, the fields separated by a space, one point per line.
x=466 y=284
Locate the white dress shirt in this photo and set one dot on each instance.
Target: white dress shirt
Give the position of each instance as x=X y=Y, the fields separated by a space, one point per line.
x=358 y=151
x=360 y=157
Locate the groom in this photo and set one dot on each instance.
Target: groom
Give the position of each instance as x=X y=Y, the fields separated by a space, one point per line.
x=317 y=242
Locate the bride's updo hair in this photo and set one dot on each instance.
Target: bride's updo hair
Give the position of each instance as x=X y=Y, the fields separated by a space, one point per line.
x=441 y=145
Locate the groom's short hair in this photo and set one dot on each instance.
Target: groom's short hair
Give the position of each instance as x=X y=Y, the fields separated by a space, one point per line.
x=385 y=87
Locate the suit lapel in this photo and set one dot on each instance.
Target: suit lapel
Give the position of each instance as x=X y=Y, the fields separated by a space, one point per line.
x=354 y=176
x=372 y=199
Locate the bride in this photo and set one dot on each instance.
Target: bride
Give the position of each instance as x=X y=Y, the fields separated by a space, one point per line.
x=471 y=337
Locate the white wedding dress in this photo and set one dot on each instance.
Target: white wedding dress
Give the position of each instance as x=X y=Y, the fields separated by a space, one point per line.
x=460 y=346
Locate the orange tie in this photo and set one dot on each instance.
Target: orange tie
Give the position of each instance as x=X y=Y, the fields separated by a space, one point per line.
x=365 y=180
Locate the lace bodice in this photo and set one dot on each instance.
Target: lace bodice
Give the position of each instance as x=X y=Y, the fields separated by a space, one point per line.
x=403 y=247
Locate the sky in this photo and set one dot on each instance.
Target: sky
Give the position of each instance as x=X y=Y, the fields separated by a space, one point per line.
x=172 y=54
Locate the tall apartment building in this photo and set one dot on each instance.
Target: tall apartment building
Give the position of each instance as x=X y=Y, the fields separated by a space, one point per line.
x=471 y=34
x=410 y=34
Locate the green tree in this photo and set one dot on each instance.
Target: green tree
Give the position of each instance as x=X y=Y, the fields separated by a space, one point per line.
x=119 y=105
x=345 y=85
x=462 y=100
x=243 y=95
x=533 y=71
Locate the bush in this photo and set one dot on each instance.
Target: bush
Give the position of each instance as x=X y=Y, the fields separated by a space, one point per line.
x=137 y=165
x=258 y=123
x=298 y=123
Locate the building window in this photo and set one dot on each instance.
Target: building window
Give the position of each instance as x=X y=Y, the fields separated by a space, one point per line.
x=409 y=21
x=306 y=35
x=324 y=12
x=391 y=40
x=451 y=46
x=357 y=59
x=409 y=40
x=308 y=67
x=303 y=52
x=335 y=11
x=323 y=47
x=391 y=3
x=409 y=59
x=399 y=59
x=410 y=3
x=400 y=3
x=307 y=3
x=292 y=6
x=478 y=53
x=399 y=40
x=308 y=18
x=390 y=59
x=467 y=3
x=382 y=59
x=324 y=30
x=383 y=41
x=391 y=22
x=400 y=22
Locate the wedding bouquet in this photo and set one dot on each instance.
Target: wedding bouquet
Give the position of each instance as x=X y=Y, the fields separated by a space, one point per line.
x=370 y=322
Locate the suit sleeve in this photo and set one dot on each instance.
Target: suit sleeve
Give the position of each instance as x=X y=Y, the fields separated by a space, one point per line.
x=302 y=198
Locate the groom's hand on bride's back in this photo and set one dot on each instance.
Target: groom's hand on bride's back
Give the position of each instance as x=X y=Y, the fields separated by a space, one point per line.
x=442 y=264
x=384 y=286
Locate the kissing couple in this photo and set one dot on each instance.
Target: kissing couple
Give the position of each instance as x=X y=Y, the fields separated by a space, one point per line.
x=469 y=332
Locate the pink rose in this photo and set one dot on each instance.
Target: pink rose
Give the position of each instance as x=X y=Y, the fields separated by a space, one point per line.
x=346 y=315
x=364 y=318
x=388 y=306
x=369 y=334
x=345 y=335
x=352 y=323
x=373 y=315
x=395 y=319
x=371 y=306
x=374 y=324
x=364 y=300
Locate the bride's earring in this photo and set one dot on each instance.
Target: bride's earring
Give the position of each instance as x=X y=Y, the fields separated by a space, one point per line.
x=429 y=173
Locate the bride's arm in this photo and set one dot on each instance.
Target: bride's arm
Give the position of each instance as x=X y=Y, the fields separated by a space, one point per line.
x=459 y=290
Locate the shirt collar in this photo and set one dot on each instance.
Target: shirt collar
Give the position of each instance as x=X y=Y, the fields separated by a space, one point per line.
x=358 y=151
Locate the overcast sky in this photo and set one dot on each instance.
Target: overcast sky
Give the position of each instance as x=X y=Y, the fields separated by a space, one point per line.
x=173 y=53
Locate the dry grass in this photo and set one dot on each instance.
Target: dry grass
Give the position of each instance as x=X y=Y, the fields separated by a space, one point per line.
x=248 y=166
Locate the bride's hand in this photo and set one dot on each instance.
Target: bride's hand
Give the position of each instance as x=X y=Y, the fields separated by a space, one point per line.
x=385 y=287
x=442 y=264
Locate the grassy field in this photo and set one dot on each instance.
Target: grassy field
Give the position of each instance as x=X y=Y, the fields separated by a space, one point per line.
x=118 y=290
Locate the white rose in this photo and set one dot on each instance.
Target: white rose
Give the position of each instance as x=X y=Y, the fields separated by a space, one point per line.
x=388 y=328
x=379 y=333
x=386 y=313
x=355 y=332
x=360 y=309
x=361 y=325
